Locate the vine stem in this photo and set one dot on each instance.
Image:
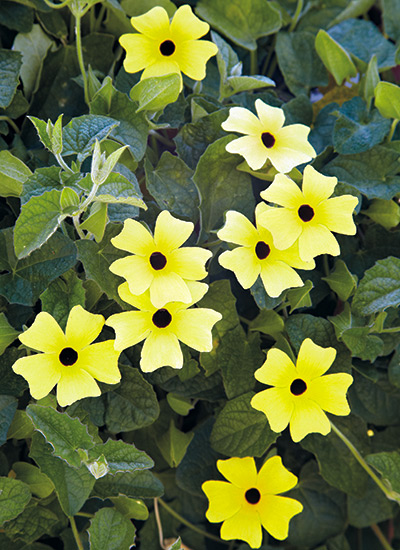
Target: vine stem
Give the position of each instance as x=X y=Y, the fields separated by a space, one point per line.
x=62 y=163
x=11 y=123
x=392 y=129
x=79 y=52
x=76 y=534
x=190 y=525
x=296 y=15
x=57 y=6
x=253 y=62
x=159 y=524
x=381 y=537
x=388 y=493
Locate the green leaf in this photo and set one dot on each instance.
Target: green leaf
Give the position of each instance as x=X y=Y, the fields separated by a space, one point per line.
x=121 y=456
x=7 y=333
x=72 y=485
x=65 y=434
x=221 y=186
x=268 y=322
x=299 y=297
x=379 y=288
x=14 y=496
x=117 y=189
x=391 y=18
x=387 y=99
x=179 y=404
x=139 y=484
x=110 y=530
x=69 y=201
x=21 y=426
x=133 y=404
x=240 y=430
x=39 y=219
x=384 y=212
x=173 y=444
x=10 y=65
x=80 y=134
x=177 y=545
x=334 y=57
x=24 y=280
x=96 y=222
x=341 y=281
x=356 y=130
x=372 y=507
x=301 y=67
x=8 y=406
x=227 y=58
x=354 y=8
x=388 y=465
x=155 y=93
x=34 y=522
x=362 y=344
x=16 y=17
x=13 y=174
x=62 y=295
x=171 y=184
x=370 y=81
x=33 y=47
x=38 y=483
x=42 y=180
x=42 y=130
x=130 y=508
x=243 y=22
x=237 y=84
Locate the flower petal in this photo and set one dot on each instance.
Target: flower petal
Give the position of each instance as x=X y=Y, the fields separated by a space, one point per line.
x=243 y=262
x=329 y=392
x=291 y=257
x=130 y=328
x=41 y=371
x=134 y=238
x=243 y=121
x=272 y=118
x=284 y=225
x=160 y=68
x=313 y=360
x=276 y=513
x=139 y=52
x=189 y=262
x=294 y=138
x=154 y=23
x=337 y=214
x=277 y=277
x=308 y=417
x=193 y=55
x=274 y=478
x=238 y=230
x=170 y=233
x=241 y=472
x=277 y=405
x=316 y=186
x=283 y=191
x=82 y=327
x=315 y=240
x=44 y=334
x=141 y=301
x=169 y=287
x=225 y=500
x=193 y=327
x=284 y=159
x=136 y=270
x=100 y=360
x=161 y=350
x=75 y=384
x=278 y=369
x=197 y=290
x=244 y=525
x=251 y=148
x=186 y=26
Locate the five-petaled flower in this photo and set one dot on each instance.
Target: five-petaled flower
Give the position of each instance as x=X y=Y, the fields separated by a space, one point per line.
x=69 y=360
x=258 y=256
x=157 y=262
x=300 y=394
x=250 y=500
x=162 y=47
x=163 y=328
x=267 y=138
x=308 y=215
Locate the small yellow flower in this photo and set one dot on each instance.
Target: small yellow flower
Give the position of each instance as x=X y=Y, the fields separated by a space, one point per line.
x=158 y=263
x=267 y=138
x=68 y=360
x=300 y=394
x=258 y=256
x=164 y=47
x=309 y=215
x=163 y=328
x=251 y=500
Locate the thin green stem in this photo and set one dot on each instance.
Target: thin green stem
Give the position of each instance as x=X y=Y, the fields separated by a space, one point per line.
x=391 y=495
x=381 y=537
x=159 y=524
x=190 y=525
x=162 y=139
x=392 y=129
x=11 y=123
x=79 y=52
x=62 y=163
x=57 y=6
x=76 y=534
x=84 y=515
x=100 y=17
x=75 y=219
x=296 y=15
x=269 y=56
x=326 y=265
x=253 y=62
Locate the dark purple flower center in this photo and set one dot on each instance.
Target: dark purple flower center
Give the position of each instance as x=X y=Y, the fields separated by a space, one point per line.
x=252 y=495
x=158 y=261
x=167 y=47
x=268 y=140
x=306 y=213
x=298 y=386
x=162 y=318
x=68 y=356
x=262 y=250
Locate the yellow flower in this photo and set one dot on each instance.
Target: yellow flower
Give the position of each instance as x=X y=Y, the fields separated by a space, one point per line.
x=309 y=215
x=267 y=138
x=250 y=499
x=158 y=263
x=68 y=360
x=163 y=328
x=164 y=47
x=258 y=256
x=300 y=394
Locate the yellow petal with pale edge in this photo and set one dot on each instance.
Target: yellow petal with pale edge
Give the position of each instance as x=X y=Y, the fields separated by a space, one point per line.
x=283 y=191
x=278 y=276
x=136 y=270
x=189 y=262
x=244 y=263
x=274 y=478
x=171 y=233
x=161 y=350
x=329 y=392
x=193 y=327
x=141 y=301
x=82 y=327
x=192 y=57
x=276 y=513
x=251 y=148
x=313 y=360
x=100 y=360
x=134 y=238
x=307 y=418
x=272 y=118
x=278 y=369
x=130 y=328
x=294 y=138
x=315 y=240
x=154 y=23
x=75 y=384
x=161 y=67
x=243 y=121
x=284 y=159
x=169 y=287
x=225 y=500
x=244 y=525
x=337 y=214
x=238 y=229
x=316 y=186
x=44 y=334
x=186 y=26
x=41 y=371
x=139 y=52
x=241 y=472
x=277 y=405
